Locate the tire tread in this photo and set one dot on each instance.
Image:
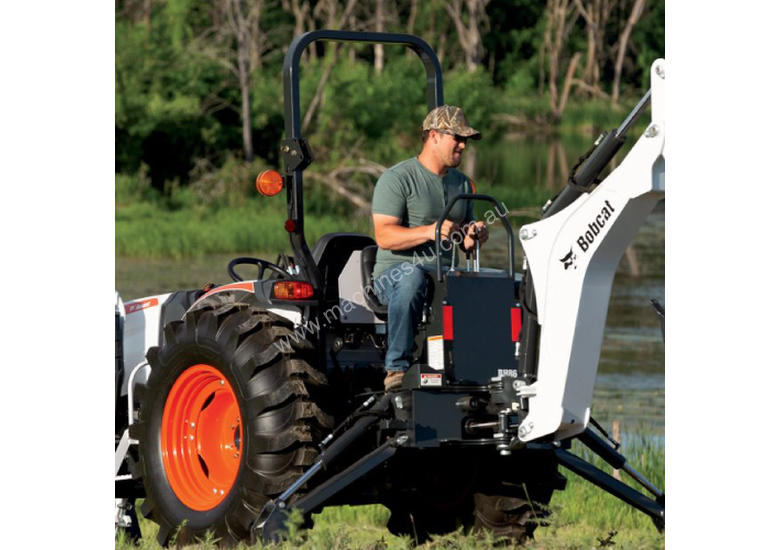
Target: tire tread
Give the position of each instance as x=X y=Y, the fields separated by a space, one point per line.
x=276 y=386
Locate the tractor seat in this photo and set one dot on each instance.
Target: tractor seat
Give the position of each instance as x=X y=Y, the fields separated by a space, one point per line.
x=367 y=261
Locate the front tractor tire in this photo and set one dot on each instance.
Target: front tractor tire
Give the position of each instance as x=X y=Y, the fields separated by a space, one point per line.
x=227 y=420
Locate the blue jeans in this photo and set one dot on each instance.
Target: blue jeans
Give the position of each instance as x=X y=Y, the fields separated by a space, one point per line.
x=402 y=288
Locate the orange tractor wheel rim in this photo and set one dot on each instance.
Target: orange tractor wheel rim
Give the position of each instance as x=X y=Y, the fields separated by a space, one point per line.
x=201 y=437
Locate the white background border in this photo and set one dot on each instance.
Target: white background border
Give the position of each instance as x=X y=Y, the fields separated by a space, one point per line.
x=721 y=274
x=57 y=143
x=721 y=296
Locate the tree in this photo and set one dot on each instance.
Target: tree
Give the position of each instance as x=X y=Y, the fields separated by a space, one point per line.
x=238 y=43
x=596 y=14
x=636 y=12
x=334 y=19
x=301 y=10
x=559 y=21
x=243 y=18
x=469 y=33
x=379 y=49
x=135 y=11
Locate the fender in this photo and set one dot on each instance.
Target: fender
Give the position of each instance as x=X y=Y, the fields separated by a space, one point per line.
x=141 y=331
x=252 y=292
x=143 y=320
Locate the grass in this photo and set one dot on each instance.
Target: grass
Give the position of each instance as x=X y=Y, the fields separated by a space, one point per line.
x=583 y=517
x=152 y=231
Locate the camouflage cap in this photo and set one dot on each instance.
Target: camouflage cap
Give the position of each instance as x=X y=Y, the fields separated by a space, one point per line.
x=450 y=120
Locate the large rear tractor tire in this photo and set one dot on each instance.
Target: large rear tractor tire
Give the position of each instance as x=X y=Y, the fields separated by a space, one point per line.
x=504 y=516
x=474 y=489
x=228 y=419
x=437 y=497
x=512 y=514
x=421 y=521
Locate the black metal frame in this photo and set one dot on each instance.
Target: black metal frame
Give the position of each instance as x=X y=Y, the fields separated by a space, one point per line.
x=295 y=150
x=476 y=197
x=270 y=524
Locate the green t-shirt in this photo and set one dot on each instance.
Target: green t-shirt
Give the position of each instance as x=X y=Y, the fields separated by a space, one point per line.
x=417 y=196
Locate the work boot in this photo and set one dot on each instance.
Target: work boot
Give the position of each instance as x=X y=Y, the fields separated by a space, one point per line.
x=393 y=380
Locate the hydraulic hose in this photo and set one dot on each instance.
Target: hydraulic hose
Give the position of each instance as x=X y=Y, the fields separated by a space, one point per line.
x=591 y=165
x=348 y=437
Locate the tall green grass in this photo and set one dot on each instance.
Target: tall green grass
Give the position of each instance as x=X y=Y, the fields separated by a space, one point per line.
x=152 y=231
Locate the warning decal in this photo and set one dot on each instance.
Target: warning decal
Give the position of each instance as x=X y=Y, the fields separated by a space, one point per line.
x=430 y=379
x=436 y=352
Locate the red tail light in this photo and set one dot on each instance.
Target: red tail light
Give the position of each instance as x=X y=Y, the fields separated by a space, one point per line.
x=293 y=290
x=517 y=323
x=447 y=321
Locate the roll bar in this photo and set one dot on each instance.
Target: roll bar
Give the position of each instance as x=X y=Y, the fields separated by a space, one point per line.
x=295 y=151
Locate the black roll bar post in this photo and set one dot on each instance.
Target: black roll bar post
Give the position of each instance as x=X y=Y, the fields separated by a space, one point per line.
x=295 y=151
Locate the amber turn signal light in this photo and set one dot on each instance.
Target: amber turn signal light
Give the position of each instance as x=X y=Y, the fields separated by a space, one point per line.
x=269 y=183
x=293 y=290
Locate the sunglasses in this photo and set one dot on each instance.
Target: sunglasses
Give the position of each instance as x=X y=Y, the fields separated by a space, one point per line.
x=457 y=138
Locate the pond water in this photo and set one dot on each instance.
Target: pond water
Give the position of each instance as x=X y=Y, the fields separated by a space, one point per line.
x=630 y=382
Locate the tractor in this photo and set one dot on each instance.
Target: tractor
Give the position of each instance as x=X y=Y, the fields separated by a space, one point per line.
x=240 y=402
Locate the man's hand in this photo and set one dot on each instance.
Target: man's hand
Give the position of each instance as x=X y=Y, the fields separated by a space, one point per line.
x=474 y=231
x=447 y=228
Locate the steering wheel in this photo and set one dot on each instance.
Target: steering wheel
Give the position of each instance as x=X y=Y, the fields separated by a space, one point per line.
x=261 y=267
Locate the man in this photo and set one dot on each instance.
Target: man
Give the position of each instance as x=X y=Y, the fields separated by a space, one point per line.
x=408 y=200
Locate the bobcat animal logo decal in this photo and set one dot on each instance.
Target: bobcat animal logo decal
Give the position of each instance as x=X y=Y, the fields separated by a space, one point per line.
x=568 y=259
x=590 y=236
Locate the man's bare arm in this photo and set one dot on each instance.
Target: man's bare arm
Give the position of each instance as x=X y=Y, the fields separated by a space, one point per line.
x=391 y=235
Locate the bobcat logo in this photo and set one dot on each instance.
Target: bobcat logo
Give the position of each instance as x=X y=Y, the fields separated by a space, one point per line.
x=568 y=259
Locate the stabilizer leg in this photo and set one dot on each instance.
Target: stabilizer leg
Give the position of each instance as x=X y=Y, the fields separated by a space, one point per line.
x=273 y=528
x=654 y=509
x=270 y=522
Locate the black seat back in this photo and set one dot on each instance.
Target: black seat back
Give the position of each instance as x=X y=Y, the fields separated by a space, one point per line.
x=367 y=261
x=331 y=253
